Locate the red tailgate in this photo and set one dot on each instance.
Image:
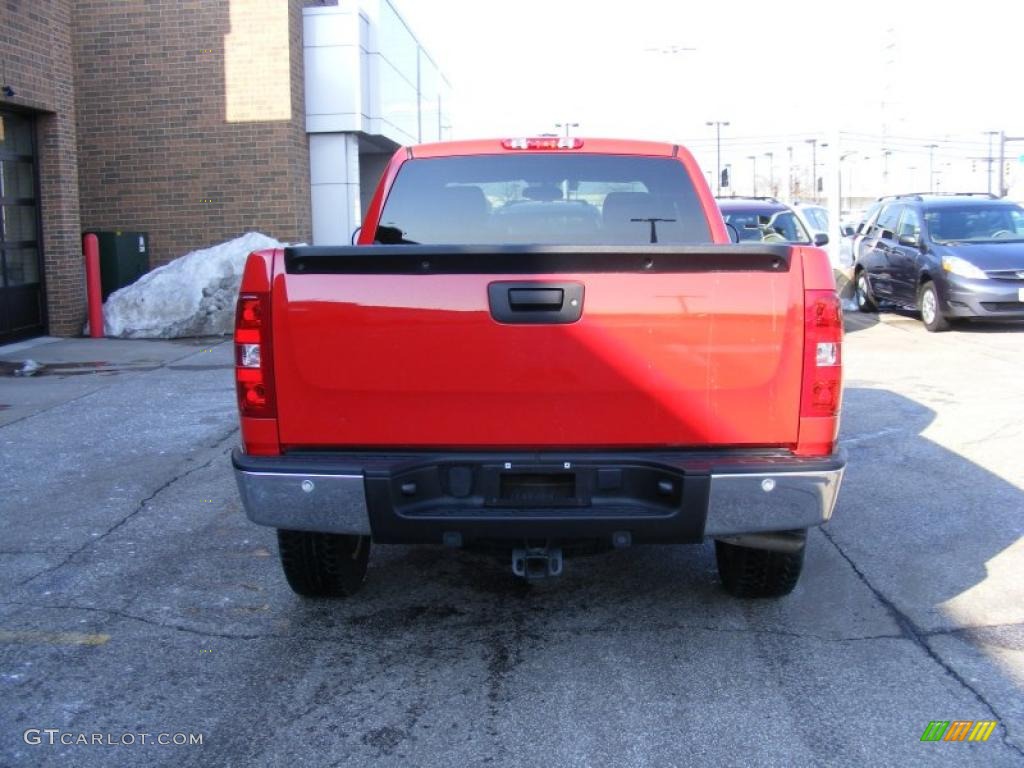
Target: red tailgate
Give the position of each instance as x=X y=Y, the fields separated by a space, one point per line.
x=656 y=360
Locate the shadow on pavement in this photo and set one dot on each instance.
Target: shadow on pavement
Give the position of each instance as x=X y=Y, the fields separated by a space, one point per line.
x=854 y=320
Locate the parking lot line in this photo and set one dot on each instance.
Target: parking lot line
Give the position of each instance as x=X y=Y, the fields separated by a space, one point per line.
x=40 y=637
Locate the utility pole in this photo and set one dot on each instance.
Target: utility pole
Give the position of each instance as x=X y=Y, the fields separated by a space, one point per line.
x=753 y=159
x=814 y=167
x=567 y=126
x=718 y=149
x=771 y=173
x=885 y=170
x=931 y=166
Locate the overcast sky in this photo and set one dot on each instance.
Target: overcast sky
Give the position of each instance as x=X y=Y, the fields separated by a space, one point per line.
x=779 y=72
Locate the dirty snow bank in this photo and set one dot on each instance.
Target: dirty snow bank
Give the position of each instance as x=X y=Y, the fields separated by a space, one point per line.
x=194 y=295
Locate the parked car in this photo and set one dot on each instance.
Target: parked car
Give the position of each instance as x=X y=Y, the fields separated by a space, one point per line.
x=863 y=226
x=816 y=219
x=815 y=216
x=765 y=219
x=633 y=378
x=948 y=256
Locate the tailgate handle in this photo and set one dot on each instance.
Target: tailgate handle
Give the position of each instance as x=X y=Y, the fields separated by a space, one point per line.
x=527 y=299
x=535 y=302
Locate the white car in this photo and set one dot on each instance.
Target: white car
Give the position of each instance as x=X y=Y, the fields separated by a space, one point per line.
x=816 y=219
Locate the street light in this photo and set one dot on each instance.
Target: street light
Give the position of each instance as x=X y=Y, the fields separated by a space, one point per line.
x=849 y=197
x=718 y=147
x=789 y=172
x=931 y=166
x=567 y=126
x=771 y=173
x=814 y=166
x=753 y=159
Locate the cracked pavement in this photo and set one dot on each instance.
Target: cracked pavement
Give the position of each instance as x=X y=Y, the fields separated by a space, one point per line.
x=139 y=599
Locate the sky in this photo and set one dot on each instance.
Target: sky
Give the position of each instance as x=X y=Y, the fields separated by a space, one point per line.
x=898 y=74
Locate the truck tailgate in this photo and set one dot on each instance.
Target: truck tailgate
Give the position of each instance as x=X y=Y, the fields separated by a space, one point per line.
x=674 y=346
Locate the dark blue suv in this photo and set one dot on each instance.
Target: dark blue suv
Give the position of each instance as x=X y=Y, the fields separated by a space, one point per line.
x=948 y=256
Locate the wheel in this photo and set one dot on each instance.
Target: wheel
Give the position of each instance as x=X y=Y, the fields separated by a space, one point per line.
x=323 y=564
x=862 y=293
x=748 y=572
x=931 y=312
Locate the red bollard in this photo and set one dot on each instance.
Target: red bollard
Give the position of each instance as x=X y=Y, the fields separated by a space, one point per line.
x=93 y=292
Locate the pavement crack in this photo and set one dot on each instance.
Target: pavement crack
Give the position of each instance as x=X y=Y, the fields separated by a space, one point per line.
x=138 y=508
x=659 y=628
x=505 y=651
x=40 y=412
x=920 y=638
x=144 y=620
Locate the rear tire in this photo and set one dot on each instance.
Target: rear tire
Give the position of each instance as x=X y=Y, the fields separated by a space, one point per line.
x=862 y=293
x=323 y=564
x=748 y=572
x=930 y=308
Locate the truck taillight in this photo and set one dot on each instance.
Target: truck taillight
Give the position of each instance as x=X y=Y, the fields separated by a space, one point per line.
x=823 y=336
x=253 y=379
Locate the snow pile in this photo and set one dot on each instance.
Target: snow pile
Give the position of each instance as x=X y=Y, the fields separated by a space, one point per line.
x=194 y=295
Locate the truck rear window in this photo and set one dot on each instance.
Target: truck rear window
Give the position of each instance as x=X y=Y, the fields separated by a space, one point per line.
x=543 y=199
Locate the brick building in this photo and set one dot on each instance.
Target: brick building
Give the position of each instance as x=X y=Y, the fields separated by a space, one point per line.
x=194 y=121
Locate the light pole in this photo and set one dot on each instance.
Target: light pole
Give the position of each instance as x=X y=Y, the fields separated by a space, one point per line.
x=814 y=167
x=718 y=149
x=850 y=194
x=789 y=172
x=931 y=167
x=771 y=172
x=990 y=134
x=567 y=126
x=753 y=159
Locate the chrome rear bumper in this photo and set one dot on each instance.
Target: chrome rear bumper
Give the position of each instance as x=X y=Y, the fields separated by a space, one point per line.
x=736 y=502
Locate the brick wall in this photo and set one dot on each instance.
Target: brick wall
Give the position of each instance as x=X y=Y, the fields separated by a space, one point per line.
x=190 y=120
x=36 y=60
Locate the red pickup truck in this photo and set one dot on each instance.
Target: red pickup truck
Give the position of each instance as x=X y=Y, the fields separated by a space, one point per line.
x=545 y=345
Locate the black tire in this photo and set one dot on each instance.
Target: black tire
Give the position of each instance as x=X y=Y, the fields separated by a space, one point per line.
x=930 y=307
x=862 y=292
x=748 y=572
x=323 y=564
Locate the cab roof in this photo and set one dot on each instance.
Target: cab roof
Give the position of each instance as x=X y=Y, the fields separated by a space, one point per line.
x=589 y=146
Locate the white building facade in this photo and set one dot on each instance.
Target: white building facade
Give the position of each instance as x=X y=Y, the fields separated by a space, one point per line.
x=370 y=87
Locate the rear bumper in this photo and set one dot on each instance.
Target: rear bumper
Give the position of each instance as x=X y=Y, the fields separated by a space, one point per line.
x=654 y=497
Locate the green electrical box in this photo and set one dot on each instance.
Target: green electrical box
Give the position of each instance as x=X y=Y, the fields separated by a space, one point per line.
x=124 y=258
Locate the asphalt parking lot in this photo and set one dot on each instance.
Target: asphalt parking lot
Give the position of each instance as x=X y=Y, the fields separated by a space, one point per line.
x=138 y=599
